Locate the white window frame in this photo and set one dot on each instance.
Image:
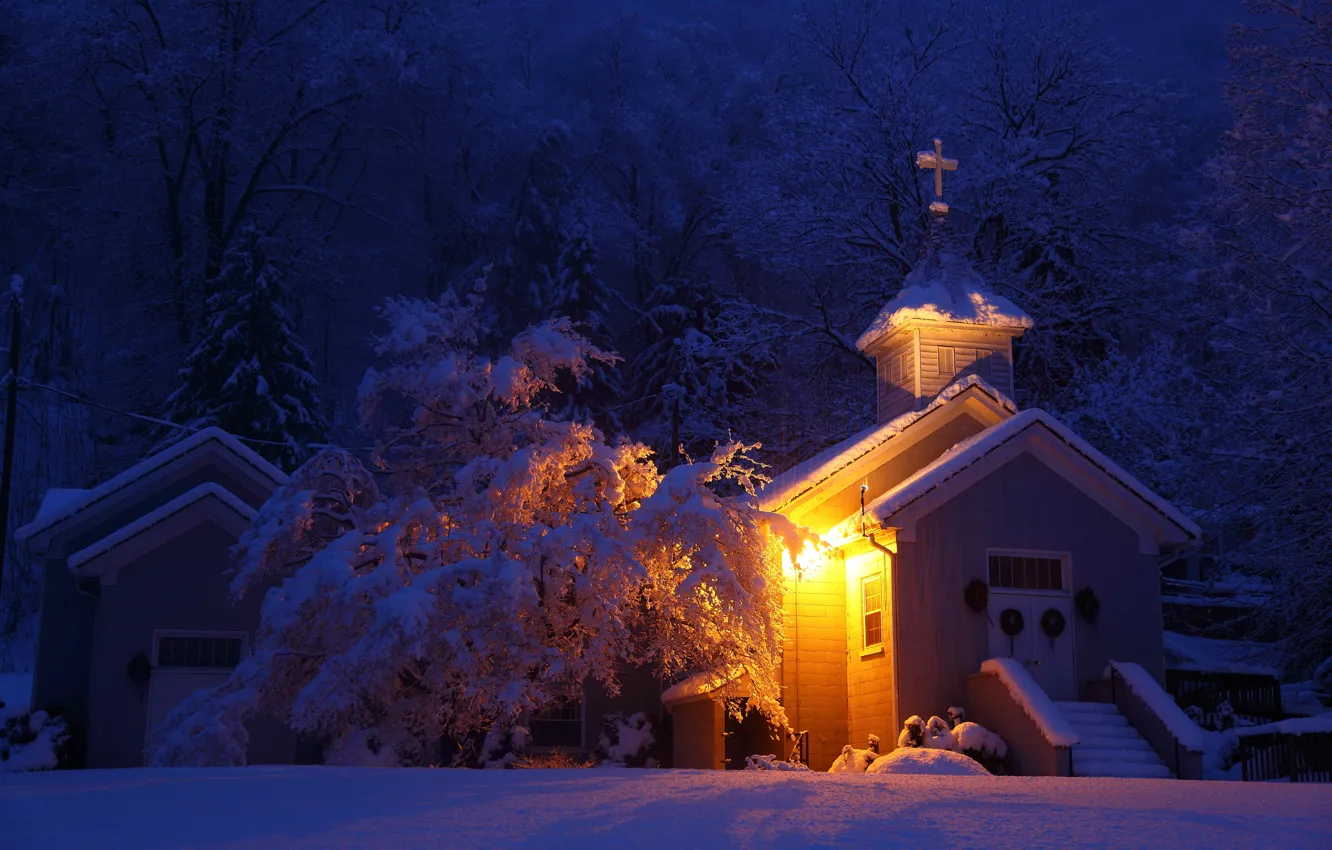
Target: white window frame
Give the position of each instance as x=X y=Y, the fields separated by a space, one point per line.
x=867 y=648
x=1065 y=559
x=158 y=634
x=952 y=360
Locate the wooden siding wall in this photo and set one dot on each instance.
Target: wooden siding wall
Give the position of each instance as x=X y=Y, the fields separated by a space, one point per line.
x=896 y=367
x=869 y=678
x=986 y=355
x=814 y=655
x=1021 y=505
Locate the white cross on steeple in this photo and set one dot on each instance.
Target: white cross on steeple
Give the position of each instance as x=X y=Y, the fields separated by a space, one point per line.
x=935 y=159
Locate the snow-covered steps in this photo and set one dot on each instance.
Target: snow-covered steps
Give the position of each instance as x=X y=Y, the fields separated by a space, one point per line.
x=1108 y=745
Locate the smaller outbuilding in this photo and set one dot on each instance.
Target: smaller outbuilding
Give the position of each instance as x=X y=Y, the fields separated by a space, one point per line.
x=136 y=610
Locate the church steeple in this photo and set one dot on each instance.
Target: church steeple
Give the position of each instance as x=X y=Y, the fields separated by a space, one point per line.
x=945 y=323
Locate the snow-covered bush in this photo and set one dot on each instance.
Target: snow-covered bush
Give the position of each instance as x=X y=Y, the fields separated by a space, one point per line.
x=956 y=715
x=627 y=740
x=968 y=739
x=856 y=761
x=771 y=762
x=913 y=732
x=980 y=744
x=938 y=735
x=33 y=741
x=373 y=748
x=508 y=559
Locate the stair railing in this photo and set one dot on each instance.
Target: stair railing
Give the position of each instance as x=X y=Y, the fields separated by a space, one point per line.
x=801 y=749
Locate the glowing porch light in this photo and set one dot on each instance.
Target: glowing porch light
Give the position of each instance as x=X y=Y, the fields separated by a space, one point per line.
x=807 y=564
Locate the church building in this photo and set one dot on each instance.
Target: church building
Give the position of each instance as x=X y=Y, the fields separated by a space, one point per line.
x=962 y=529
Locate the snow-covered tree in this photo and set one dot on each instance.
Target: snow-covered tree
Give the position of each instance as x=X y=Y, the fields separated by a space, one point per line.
x=250 y=373
x=508 y=558
x=702 y=373
x=581 y=294
x=527 y=276
x=1267 y=262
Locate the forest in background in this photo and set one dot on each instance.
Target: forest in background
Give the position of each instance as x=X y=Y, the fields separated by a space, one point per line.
x=725 y=194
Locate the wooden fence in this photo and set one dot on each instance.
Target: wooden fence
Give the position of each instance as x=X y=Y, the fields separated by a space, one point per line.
x=1272 y=755
x=1251 y=695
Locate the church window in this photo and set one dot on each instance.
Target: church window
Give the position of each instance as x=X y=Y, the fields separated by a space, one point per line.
x=1024 y=572
x=947 y=361
x=871 y=596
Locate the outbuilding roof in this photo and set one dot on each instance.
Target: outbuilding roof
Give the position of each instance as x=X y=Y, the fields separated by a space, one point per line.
x=69 y=504
x=159 y=518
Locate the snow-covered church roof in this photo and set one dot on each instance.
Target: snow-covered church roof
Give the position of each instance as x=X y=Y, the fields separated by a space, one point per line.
x=975 y=449
x=944 y=287
x=805 y=476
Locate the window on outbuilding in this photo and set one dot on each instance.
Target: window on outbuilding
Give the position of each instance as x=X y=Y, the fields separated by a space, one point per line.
x=1024 y=572
x=198 y=651
x=871 y=598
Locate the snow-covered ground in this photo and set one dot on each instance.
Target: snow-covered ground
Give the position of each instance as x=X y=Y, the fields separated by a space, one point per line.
x=290 y=807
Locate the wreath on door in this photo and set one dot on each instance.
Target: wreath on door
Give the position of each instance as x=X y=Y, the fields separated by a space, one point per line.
x=1087 y=603
x=1011 y=622
x=976 y=595
x=1053 y=623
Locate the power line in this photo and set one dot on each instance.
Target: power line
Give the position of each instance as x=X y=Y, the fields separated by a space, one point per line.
x=163 y=423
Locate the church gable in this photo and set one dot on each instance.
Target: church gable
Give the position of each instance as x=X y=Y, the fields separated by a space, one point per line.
x=1158 y=523
x=826 y=488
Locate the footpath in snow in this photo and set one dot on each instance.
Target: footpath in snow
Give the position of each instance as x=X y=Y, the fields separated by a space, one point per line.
x=303 y=807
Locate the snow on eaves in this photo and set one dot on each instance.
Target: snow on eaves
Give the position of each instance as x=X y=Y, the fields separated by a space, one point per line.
x=699 y=685
x=1054 y=727
x=159 y=515
x=975 y=448
x=944 y=288
x=75 y=504
x=805 y=476
x=55 y=503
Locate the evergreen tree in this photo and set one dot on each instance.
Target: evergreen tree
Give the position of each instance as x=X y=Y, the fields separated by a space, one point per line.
x=581 y=294
x=701 y=375
x=250 y=373
x=526 y=281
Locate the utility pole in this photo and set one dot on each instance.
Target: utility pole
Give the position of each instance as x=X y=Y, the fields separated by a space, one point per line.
x=11 y=414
